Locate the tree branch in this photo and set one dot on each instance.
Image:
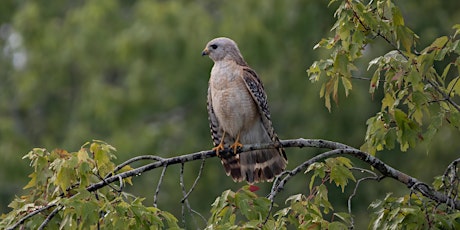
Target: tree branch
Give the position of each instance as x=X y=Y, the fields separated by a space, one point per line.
x=33 y=213
x=49 y=217
x=280 y=181
x=337 y=149
x=379 y=165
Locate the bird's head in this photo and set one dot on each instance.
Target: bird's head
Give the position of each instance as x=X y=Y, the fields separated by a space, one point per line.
x=222 y=48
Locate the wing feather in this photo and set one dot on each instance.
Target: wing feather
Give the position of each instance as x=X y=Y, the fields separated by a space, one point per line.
x=216 y=132
x=257 y=91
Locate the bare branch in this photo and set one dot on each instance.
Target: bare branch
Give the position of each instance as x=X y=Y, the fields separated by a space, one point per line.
x=196 y=180
x=155 y=198
x=185 y=200
x=365 y=79
x=134 y=159
x=373 y=176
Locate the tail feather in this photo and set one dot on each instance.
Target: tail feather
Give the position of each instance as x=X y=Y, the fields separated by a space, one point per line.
x=255 y=166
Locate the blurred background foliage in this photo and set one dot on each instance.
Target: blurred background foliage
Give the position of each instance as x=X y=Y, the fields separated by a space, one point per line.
x=130 y=73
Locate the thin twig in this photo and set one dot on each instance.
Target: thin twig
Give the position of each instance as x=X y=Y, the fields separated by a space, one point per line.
x=134 y=159
x=196 y=180
x=358 y=182
x=272 y=201
x=201 y=216
x=366 y=79
x=299 y=169
x=444 y=95
x=377 y=33
x=185 y=200
x=183 y=191
x=109 y=184
x=155 y=197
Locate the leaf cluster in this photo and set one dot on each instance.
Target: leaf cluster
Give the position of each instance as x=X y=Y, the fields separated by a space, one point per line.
x=244 y=209
x=411 y=212
x=419 y=89
x=58 y=189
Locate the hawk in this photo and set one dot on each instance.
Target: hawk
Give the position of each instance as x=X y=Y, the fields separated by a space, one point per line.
x=239 y=115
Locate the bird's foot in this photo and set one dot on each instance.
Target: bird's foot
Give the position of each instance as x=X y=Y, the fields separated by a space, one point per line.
x=218 y=148
x=235 y=146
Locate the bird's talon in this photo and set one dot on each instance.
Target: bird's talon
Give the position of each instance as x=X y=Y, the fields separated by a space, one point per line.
x=218 y=148
x=235 y=147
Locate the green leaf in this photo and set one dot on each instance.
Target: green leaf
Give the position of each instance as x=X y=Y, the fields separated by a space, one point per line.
x=344 y=161
x=446 y=71
x=102 y=156
x=440 y=42
x=340 y=171
x=347 y=85
x=454 y=86
x=341 y=64
x=390 y=139
x=426 y=62
x=294 y=198
x=456 y=27
x=398 y=19
x=405 y=37
x=344 y=216
x=335 y=93
x=388 y=101
x=340 y=175
x=337 y=226
x=319 y=171
x=375 y=81
x=171 y=220
x=327 y=102
x=321 y=199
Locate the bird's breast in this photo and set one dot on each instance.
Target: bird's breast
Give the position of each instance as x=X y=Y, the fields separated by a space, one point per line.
x=232 y=102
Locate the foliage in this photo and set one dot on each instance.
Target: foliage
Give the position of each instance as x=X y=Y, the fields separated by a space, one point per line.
x=59 y=183
x=62 y=195
x=419 y=87
x=245 y=210
x=129 y=72
x=412 y=212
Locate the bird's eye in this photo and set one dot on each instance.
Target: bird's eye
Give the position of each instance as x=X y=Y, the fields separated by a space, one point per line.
x=213 y=46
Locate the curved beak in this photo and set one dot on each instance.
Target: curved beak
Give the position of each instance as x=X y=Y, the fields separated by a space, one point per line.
x=205 y=52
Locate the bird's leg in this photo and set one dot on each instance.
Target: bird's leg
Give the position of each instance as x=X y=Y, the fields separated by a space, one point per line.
x=237 y=144
x=220 y=146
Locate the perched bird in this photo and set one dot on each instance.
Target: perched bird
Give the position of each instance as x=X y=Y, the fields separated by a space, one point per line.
x=239 y=115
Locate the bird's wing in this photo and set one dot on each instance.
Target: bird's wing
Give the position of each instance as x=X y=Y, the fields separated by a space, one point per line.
x=216 y=132
x=255 y=87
